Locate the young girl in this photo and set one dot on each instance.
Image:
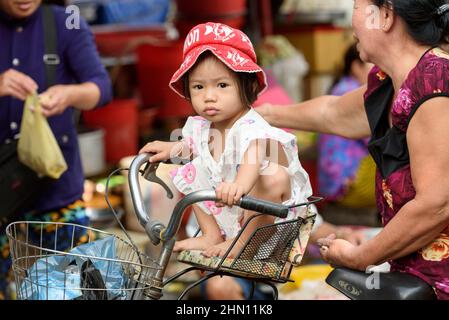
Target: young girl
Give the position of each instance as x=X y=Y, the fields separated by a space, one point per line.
x=232 y=148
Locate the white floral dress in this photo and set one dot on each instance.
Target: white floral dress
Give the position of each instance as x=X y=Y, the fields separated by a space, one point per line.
x=203 y=172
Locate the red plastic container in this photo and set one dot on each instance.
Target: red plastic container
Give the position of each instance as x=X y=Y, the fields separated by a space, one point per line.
x=311 y=168
x=210 y=8
x=156 y=64
x=120 y=40
x=184 y=25
x=119 y=120
x=193 y=12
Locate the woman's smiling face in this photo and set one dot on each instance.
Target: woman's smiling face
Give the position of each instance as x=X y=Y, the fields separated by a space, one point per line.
x=366 y=22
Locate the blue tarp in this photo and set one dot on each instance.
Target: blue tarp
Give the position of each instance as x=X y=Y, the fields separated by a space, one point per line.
x=133 y=12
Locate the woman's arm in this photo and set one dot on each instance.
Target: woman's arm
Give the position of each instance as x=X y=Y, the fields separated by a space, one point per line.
x=344 y=116
x=341 y=232
x=56 y=99
x=85 y=96
x=421 y=220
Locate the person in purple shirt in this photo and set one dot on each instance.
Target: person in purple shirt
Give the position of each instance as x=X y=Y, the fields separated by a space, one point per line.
x=81 y=83
x=342 y=175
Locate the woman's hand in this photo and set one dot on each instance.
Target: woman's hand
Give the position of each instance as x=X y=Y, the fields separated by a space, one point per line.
x=229 y=193
x=339 y=252
x=163 y=150
x=56 y=99
x=16 y=84
x=355 y=237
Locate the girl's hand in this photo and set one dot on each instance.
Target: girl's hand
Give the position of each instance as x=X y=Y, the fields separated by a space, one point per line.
x=228 y=193
x=16 y=84
x=163 y=150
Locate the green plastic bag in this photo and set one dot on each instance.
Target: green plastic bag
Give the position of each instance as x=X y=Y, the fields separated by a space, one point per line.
x=37 y=147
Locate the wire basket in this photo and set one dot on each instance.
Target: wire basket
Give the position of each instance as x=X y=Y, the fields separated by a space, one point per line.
x=52 y=267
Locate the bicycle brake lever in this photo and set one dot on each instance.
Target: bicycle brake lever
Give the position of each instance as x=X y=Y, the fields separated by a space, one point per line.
x=149 y=173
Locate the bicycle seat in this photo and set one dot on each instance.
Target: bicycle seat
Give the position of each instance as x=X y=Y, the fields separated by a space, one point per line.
x=391 y=286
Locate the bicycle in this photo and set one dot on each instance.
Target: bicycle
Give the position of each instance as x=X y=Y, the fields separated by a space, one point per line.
x=126 y=273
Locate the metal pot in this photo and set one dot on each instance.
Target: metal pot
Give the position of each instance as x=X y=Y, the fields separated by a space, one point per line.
x=104 y=218
x=91 y=144
x=99 y=213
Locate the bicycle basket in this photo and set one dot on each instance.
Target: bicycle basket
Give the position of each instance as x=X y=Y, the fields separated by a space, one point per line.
x=48 y=264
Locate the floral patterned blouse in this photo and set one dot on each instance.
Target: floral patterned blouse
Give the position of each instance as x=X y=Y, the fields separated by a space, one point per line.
x=205 y=173
x=388 y=146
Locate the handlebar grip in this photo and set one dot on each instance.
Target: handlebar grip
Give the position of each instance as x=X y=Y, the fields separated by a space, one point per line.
x=262 y=206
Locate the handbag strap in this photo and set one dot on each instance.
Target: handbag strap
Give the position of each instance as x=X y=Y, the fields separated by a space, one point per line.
x=51 y=57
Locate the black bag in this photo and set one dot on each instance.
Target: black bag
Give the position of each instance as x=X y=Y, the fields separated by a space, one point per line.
x=92 y=284
x=19 y=185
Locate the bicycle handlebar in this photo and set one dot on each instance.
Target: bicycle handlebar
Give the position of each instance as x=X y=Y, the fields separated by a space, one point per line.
x=246 y=202
x=134 y=187
x=262 y=206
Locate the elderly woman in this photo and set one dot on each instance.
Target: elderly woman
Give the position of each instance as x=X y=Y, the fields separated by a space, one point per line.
x=405 y=109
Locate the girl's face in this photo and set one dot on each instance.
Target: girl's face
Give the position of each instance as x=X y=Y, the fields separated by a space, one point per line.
x=20 y=9
x=214 y=92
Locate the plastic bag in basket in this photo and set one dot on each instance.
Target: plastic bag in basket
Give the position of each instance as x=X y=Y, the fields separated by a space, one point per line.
x=70 y=276
x=37 y=147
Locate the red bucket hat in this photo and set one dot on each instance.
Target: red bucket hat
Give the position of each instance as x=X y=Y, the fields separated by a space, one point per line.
x=230 y=45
